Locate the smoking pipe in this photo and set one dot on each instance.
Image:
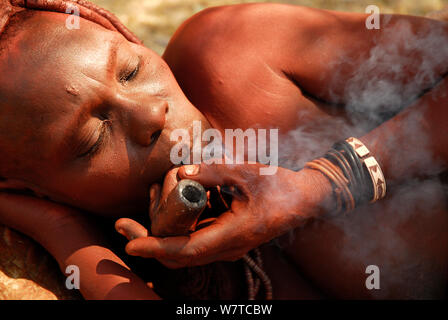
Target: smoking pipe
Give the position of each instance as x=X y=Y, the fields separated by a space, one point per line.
x=179 y=212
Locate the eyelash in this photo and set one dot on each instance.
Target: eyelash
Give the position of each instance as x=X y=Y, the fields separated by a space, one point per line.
x=106 y=123
x=129 y=76
x=96 y=147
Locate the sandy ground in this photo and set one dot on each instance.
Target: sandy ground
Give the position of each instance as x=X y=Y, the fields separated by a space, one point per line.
x=155 y=21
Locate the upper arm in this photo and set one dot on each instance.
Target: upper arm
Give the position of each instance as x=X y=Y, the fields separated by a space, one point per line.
x=330 y=55
x=336 y=58
x=227 y=64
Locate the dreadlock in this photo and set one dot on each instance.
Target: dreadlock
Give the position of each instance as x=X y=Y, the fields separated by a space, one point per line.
x=87 y=10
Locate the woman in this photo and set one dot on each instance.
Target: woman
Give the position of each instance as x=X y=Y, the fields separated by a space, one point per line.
x=88 y=139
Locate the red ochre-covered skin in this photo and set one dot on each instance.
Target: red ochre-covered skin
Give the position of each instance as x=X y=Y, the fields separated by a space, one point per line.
x=257 y=66
x=254 y=66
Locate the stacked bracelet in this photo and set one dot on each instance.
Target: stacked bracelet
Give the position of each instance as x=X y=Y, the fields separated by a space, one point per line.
x=373 y=168
x=356 y=176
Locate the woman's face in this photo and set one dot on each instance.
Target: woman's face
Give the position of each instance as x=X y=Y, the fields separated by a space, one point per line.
x=86 y=116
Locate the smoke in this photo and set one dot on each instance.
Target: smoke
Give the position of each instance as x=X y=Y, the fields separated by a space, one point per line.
x=312 y=139
x=394 y=236
x=403 y=63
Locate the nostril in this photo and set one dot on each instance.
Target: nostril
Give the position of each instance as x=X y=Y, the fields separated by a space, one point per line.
x=155 y=136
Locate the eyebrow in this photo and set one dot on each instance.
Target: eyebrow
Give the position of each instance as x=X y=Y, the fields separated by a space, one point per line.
x=112 y=56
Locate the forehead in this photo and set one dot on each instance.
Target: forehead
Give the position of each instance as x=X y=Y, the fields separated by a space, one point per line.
x=48 y=71
x=46 y=49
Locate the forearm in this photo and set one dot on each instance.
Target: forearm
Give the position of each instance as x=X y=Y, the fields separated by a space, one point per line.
x=103 y=275
x=413 y=144
x=71 y=239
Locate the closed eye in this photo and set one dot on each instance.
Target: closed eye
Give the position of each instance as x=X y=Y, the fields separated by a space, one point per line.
x=132 y=75
x=129 y=76
x=96 y=147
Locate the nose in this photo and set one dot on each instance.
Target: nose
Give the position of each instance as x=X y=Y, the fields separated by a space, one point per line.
x=144 y=120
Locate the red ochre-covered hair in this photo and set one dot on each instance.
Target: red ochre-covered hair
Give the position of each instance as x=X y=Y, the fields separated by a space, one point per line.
x=87 y=10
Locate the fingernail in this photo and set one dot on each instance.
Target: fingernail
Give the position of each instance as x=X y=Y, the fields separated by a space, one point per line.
x=129 y=251
x=191 y=170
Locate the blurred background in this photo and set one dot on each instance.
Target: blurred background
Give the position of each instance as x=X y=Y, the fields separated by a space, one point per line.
x=154 y=21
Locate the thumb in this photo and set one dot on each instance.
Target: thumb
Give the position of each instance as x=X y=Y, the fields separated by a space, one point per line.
x=209 y=175
x=130 y=229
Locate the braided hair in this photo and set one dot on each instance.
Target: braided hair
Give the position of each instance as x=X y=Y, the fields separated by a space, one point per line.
x=87 y=10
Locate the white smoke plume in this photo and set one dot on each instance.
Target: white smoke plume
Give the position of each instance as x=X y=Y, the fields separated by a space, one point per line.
x=379 y=89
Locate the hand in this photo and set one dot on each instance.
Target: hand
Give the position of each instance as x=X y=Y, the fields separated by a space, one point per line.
x=264 y=207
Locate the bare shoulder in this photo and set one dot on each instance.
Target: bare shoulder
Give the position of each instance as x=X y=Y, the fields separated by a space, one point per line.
x=241 y=58
x=228 y=41
x=221 y=41
x=245 y=26
x=229 y=59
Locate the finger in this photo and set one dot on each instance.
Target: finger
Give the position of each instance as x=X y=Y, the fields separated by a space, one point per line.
x=212 y=175
x=171 y=264
x=209 y=175
x=207 y=245
x=130 y=229
x=205 y=223
x=159 y=248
